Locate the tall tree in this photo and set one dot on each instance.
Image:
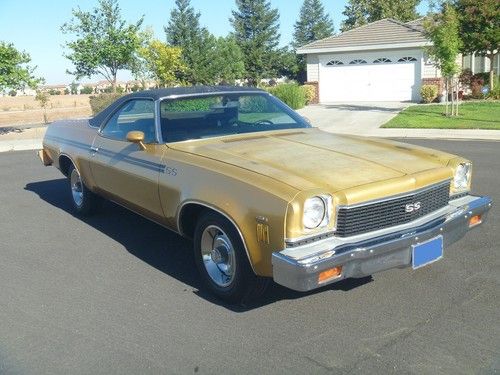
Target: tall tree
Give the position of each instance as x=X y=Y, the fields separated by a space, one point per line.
x=184 y=31
x=256 y=27
x=480 y=28
x=15 y=71
x=104 y=43
x=443 y=31
x=361 y=12
x=313 y=24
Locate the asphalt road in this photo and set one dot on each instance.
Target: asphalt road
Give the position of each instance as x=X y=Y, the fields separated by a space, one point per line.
x=116 y=294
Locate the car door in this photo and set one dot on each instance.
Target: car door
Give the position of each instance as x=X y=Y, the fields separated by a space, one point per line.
x=123 y=171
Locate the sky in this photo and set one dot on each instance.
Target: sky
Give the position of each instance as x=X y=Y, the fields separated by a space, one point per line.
x=34 y=25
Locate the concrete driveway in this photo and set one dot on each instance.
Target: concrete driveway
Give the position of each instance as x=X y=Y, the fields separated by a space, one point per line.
x=360 y=118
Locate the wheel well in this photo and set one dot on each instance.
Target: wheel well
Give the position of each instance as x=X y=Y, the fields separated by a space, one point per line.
x=188 y=218
x=64 y=164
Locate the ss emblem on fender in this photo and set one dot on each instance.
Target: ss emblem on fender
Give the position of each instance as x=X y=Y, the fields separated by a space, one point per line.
x=412 y=207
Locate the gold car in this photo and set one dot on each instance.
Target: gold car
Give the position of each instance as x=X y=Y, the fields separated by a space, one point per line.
x=262 y=193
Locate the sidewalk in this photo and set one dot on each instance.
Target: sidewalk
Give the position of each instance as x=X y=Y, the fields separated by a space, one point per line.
x=365 y=119
x=21 y=139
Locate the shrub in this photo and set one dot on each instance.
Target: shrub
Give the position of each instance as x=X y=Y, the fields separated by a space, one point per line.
x=495 y=93
x=310 y=92
x=101 y=101
x=87 y=90
x=291 y=94
x=428 y=93
x=476 y=86
x=466 y=77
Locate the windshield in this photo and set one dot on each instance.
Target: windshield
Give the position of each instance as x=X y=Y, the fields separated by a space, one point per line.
x=225 y=114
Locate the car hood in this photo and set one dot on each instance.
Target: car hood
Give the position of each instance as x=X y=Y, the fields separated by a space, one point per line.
x=310 y=158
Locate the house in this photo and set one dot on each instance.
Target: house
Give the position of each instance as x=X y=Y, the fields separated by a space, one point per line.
x=382 y=61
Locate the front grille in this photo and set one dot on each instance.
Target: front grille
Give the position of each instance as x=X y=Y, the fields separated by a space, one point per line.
x=392 y=211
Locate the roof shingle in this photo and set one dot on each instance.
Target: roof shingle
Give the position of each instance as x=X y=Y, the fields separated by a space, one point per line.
x=383 y=32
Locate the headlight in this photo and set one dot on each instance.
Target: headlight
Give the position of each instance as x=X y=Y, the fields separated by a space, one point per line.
x=316 y=211
x=462 y=176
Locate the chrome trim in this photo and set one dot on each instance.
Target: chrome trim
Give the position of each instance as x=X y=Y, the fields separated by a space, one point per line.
x=214 y=93
x=389 y=198
x=179 y=229
x=72 y=162
x=299 y=268
x=393 y=197
x=106 y=120
x=159 y=135
x=293 y=241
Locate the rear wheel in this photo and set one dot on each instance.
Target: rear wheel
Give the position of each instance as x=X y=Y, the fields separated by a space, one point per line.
x=84 y=201
x=222 y=261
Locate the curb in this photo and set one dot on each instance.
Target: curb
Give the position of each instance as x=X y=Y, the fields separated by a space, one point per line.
x=464 y=135
x=21 y=145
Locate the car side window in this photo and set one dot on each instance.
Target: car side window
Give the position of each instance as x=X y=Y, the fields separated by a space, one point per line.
x=136 y=114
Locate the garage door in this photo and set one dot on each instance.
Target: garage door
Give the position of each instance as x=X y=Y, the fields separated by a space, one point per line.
x=362 y=81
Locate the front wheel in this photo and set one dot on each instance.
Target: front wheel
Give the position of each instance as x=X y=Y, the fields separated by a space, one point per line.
x=222 y=261
x=84 y=201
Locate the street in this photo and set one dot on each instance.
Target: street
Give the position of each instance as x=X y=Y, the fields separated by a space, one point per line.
x=117 y=294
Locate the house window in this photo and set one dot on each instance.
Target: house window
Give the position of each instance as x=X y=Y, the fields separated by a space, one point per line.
x=382 y=60
x=334 y=62
x=357 y=61
x=407 y=59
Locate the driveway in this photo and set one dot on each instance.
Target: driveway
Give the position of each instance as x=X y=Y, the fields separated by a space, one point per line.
x=117 y=294
x=360 y=118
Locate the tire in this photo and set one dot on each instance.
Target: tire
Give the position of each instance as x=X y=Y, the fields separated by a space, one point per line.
x=84 y=202
x=222 y=261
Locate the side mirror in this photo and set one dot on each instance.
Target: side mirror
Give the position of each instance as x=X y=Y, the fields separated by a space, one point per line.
x=136 y=137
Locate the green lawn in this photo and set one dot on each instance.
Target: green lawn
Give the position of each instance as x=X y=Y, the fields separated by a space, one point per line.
x=479 y=115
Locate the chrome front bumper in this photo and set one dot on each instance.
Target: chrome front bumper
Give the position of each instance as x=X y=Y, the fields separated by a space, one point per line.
x=299 y=267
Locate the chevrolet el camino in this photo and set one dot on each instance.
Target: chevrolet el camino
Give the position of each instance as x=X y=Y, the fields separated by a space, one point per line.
x=262 y=193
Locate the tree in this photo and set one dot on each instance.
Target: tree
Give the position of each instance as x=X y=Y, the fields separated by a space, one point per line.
x=480 y=28
x=139 y=67
x=73 y=88
x=361 y=12
x=184 y=31
x=43 y=98
x=443 y=31
x=15 y=71
x=313 y=24
x=104 y=43
x=226 y=63
x=163 y=61
x=256 y=27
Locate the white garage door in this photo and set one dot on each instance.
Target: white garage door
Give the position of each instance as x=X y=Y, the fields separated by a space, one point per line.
x=368 y=82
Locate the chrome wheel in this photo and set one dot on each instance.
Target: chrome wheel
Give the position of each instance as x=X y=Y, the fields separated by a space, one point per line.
x=76 y=187
x=218 y=255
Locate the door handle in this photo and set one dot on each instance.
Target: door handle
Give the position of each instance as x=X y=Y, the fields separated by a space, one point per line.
x=94 y=150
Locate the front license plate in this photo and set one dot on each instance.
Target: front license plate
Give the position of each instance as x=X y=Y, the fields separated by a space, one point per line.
x=427 y=252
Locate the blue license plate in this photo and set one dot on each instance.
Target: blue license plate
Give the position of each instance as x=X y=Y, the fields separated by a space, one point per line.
x=427 y=252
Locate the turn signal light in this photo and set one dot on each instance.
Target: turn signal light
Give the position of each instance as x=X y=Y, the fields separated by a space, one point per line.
x=329 y=274
x=475 y=220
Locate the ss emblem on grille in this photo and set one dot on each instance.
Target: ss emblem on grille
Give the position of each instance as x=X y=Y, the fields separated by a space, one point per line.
x=412 y=207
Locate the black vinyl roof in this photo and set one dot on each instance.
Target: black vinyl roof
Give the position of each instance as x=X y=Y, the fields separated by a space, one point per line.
x=156 y=94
